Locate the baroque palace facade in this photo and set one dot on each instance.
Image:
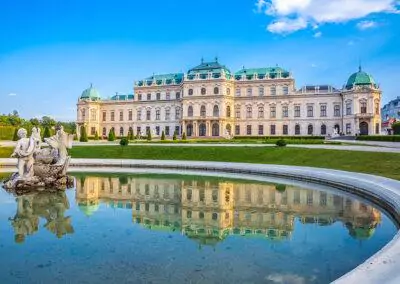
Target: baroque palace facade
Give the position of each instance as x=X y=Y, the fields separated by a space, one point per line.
x=211 y=101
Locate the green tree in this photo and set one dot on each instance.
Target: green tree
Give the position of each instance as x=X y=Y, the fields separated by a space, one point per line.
x=111 y=135
x=47 y=121
x=15 y=137
x=124 y=141
x=162 y=136
x=396 y=128
x=130 y=134
x=46 y=133
x=84 y=137
x=96 y=136
x=183 y=136
x=174 y=137
x=149 y=135
x=35 y=122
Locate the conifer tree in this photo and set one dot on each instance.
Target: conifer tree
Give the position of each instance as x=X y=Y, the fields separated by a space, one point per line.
x=83 y=138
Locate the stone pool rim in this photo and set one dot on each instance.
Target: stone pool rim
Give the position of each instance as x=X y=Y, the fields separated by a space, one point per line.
x=382 y=267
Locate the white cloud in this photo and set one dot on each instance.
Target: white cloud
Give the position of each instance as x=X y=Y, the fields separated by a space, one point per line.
x=317 y=34
x=12 y=94
x=293 y=15
x=364 y=25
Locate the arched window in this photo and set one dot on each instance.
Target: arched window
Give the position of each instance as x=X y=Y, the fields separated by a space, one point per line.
x=189 y=130
x=228 y=111
x=158 y=114
x=216 y=111
x=203 y=111
x=104 y=131
x=202 y=129
x=310 y=129
x=323 y=129
x=249 y=112
x=337 y=127
x=216 y=91
x=215 y=129
x=121 y=131
x=228 y=129
x=190 y=111
x=363 y=107
x=297 y=129
x=190 y=92
x=203 y=91
x=260 y=112
x=130 y=131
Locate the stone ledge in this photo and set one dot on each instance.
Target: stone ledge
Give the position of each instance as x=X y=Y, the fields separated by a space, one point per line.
x=380 y=268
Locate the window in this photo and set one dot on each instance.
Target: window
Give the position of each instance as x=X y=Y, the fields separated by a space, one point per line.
x=323 y=110
x=228 y=91
x=167 y=130
x=93 y=115
x=348 y=128
x=190 y=92
x=273 y=91
x=285 y=130
x=148 y=115
x=237 y=112
x=310 y=111
x=261 y=91
x=112 y=116
x=147 y=129
x=203 y=91
x=157 y=130
x=130 y=115
x=273 y=129
x=348 y=108
x=296 y=111
x=216 y=111
x=237 y=129
x=121 y=116
x=168 y=96
x=248 y=130
x=297 y=129
x=104 y=131
x=139 y=97
x=139 y=115
x=158 y=114
x=238 y=92
x=177 y=128
x=83 y=114
x=167 y=114
x=216 y=91
x=93 y=131
x=310 y=130
x=104 y=115
x=377 y=128
x=260 y=112
x=285 y=111
x=377 y=109
x=285 y=90
x=121 y=131
x=249 y=112
x=178 y=95
x=177 y=113
x=138 y=130
x=261 y=130
x=249 y=92
x=363 y=107
x=158 y=96
x=336 y=111
x=203 y=111
x=214 y=216
x=323 y=129
x=228 y=111
x=272 y=112
x=190 y=111
x=149 y=97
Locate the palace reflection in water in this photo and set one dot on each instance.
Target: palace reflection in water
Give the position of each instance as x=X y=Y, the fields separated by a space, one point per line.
x=208 y=211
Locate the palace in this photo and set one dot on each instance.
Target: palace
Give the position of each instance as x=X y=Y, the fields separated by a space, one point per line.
x=211 y=101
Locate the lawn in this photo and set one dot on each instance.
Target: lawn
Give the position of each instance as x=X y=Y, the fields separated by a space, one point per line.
x=383 y=164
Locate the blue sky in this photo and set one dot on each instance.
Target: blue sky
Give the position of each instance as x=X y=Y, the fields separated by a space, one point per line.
x=50 y=51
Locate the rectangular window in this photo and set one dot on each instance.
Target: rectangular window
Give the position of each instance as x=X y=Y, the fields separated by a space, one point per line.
x=285 y=130
x=363 y=107
x=157 y=130
x=158 y=96
x=248 y=130
x=104 y=116
x=296 y=111
x=121 y=116
x=285 y=111
x=130 y=116
x=336 y=111
x=272 y=112
x=93 y=131
x=177 y=113
x=112 y=116
x=273 y=91
x=348 y=128
x=139 y=115
x=138 y=130
x=168 y=96
x=273 y=129
x=310 y=111
x=139 y=97
x=158 y=114
x=261 y=130
x=177 y=130
x=148 y=115
x=238 y=92
x=167 y=130
x=237 y=112
x=348 y=108
x=147 y=129
x=249 y=112
x=249 y=92
x=237 y=129
x=261 y=91
x=285 y=90
x=149 y=97
x=178 y=95
x=167 y=114
x=323 y=110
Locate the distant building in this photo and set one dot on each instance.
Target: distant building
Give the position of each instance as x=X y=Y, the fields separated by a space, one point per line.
x=211 y=101
x=391 y=110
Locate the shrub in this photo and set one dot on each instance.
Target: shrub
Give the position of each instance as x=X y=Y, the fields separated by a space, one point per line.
x=83 y=137
x=124 y=141
x=137 y=136
x=174 y=137
x=6 y=132
x=385 y=138
x=149 y=135
x=163 y=136
x=296 y=137
x=396 y=128
x=130 y=135
x=96 y=136
x=46 y=133
x=111 y=135
x=184 y=136
x=281 y=143
x=280 y=187
x=15 y=137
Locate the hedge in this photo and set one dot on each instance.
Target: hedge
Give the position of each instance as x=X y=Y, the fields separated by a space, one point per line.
x=7 y=132
x=386 y=138
x=280 y=137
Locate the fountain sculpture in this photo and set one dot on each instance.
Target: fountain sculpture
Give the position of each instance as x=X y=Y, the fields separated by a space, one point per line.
x=41 y=168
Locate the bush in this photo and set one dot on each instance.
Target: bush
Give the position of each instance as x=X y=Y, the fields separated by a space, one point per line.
x=111 y=135
x=163 y=136
x=96 y=136
x=281 y=143
x=6 y=132
x=297 y=137
x=130 y=135
x=124 y=141
x=83 y=137
x=385 y=138
x=149 y=135
x=184 y=136
x=396 y=128
x=15 y=137
x=46 y=133
x=280 y=187
x=174 y=137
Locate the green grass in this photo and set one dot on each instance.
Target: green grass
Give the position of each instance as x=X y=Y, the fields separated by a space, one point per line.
x=383 y=164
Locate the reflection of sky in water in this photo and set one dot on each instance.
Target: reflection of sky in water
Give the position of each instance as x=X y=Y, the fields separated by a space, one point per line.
x=143 y=229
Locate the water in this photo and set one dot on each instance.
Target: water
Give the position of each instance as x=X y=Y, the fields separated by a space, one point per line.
x=177 y=229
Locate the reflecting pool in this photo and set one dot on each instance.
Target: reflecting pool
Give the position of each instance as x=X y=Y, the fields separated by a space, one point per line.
x=185 y=229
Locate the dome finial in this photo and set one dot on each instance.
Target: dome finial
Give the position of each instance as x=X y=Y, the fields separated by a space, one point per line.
x=359 y=66
x=202 y=60
x=216 y=59
x=91 y=85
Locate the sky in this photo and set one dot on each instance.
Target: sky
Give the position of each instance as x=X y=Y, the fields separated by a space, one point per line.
x=52 y=50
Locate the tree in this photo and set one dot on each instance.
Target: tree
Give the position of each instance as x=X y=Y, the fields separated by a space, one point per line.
x=281 y=143
x=96 y=136
x=48 y=121
x=183 y=136
x=15 y=137
x=35 y=122
x=174 y=137
x=124 y=142
x=84 y=137
x=111 y=135
x=396 y=128
x=149 y=135
x=162 y=136
x=130 y=134
x=46 y=133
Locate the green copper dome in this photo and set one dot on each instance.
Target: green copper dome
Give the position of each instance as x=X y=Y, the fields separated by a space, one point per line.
x=360 y=78
x=90 y=94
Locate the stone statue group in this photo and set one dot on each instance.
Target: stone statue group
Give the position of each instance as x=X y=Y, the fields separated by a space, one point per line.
x=41 y=167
